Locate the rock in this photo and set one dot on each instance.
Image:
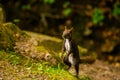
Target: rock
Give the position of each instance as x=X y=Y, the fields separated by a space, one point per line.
x=9 y=34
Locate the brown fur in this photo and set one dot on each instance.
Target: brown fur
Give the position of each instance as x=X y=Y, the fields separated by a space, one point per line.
x=71 y=50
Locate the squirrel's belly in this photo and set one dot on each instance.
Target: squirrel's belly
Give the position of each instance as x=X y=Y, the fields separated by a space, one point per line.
x=67 y=45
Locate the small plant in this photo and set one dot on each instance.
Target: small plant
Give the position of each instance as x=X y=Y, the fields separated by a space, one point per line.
x=116 y=10
x=49 y=1
x=14 y=59
x=16 y=20
x=26 y=7
x=67 y=11
x=97 y=16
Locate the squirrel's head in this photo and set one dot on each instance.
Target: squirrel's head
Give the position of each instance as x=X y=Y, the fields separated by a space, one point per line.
x=67 y=33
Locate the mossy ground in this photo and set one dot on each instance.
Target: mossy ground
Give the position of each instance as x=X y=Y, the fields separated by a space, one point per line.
x=15 y=67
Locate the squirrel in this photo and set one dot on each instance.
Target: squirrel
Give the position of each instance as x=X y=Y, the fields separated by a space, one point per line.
x=70 y=47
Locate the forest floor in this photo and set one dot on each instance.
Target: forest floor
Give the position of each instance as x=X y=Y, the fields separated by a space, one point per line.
x=14 y=67
x=96 y=71
x=101 y=70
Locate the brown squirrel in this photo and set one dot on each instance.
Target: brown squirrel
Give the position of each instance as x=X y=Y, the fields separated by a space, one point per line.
x=72 y=54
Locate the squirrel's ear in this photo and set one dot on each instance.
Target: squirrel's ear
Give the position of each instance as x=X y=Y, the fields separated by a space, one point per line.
x=71 y=29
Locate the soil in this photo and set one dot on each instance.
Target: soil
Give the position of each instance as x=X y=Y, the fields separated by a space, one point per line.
x=101 y=70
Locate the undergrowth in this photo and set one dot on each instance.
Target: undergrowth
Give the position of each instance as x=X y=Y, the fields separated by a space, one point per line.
x=31 y=69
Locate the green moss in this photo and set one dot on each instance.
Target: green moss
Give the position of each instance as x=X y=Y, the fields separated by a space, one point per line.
x=41 y=49
x=19 y=67
x=8 y=34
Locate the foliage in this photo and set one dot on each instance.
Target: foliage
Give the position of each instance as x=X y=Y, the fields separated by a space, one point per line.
x=26 y=7
x=59 y=72
x=12 y=58
x=49 y=1
x=97 y=16
x=16 y=20
x=116 y=10
x=67 y=11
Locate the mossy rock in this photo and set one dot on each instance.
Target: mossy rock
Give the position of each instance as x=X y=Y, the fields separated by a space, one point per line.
x=28 y=45
x=12 y=38
x=40 y=47
x=9 y=34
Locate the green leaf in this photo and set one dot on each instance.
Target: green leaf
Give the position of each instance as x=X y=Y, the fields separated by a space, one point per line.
x=26 y=7
x=116 y=10
x=67 y=11
x=97 y=16
x=16 y=20
x=49 y=1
